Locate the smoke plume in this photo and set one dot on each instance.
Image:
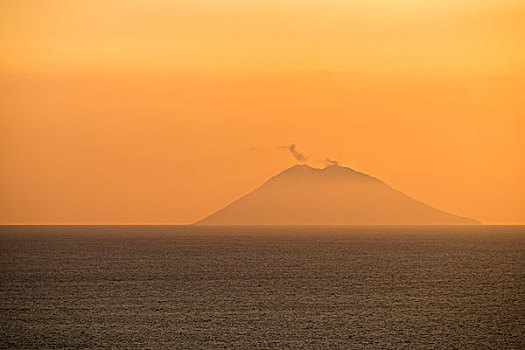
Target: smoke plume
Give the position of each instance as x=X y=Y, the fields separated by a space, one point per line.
x=330 y=162
x=297 y=155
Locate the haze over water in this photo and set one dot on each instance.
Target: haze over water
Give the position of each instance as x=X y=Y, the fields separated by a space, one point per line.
x=135 y=287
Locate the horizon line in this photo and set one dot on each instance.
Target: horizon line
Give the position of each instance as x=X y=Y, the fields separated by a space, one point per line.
x=261 y=225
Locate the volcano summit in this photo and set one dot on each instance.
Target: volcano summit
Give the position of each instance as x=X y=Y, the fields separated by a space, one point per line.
x=335 y=195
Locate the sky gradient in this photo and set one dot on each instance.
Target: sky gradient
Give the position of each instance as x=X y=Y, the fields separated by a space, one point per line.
x=161 y=112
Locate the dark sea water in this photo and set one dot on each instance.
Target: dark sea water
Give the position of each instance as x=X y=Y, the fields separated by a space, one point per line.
x=176 y=287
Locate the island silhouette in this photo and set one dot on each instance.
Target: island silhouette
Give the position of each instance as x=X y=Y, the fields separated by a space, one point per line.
x=334 y=195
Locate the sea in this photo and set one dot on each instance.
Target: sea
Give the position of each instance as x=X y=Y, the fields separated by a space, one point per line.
x=262 y=287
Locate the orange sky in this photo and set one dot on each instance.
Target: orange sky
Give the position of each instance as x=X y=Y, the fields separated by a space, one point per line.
x=163 y=111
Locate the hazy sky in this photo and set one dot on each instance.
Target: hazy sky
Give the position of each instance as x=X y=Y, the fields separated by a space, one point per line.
x=162 y=111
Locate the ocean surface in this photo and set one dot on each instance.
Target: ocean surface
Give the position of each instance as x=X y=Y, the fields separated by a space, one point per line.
x=190 y=287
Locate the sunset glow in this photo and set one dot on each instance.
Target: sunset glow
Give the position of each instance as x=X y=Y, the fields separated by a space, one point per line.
x=160 y=112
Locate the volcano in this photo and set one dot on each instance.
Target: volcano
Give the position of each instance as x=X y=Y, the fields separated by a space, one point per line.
x=335 y=195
